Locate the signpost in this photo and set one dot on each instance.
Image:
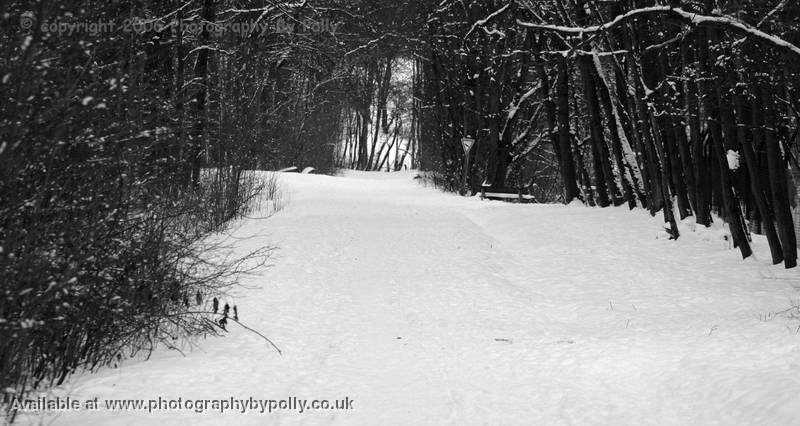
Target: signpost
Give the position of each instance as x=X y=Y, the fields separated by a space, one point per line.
x=467 y=144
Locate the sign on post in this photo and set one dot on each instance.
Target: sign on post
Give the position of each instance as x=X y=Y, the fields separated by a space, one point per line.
x=466 y=143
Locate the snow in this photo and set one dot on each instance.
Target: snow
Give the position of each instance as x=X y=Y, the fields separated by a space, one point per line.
x=512 y=110
x=690 y=17
x=26 y=42
x=482 y=22
x=509 y=196
x=429 y=308
x=733 y=159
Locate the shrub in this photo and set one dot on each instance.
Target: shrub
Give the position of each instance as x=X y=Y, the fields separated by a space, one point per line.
x=87 y=282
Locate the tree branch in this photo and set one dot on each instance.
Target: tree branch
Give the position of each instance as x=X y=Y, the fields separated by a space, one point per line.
x=690 y=17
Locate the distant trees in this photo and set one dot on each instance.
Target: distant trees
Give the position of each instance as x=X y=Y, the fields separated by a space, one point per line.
x=378 y=72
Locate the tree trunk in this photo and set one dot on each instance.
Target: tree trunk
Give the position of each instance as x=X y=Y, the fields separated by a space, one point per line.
x=777 y=178
x=700 y=200
x=759 y=196
x=626 y=174
x=564 y=137
x=201 y=79
x=730 y=203
x=604 y=186
x=656 y=194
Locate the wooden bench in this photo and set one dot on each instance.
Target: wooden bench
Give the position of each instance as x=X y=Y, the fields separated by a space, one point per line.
x=295 y=169
x=506 y=194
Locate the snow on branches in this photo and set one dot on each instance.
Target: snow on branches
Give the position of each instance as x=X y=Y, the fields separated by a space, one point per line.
x=691 y=18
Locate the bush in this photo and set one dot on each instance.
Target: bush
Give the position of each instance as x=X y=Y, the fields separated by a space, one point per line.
x=114 y=168
x=87 y=282
x=439 y=181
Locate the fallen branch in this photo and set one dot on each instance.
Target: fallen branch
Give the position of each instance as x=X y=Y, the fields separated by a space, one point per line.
x=256 y=332
x=234 y=320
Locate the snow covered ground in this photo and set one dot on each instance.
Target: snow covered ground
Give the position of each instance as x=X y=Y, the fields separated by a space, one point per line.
x=429 y=308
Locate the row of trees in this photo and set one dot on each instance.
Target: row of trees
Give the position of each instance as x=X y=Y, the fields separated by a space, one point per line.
x=122 y=149
x=380 y=118
x=379 y=122
x=687 y=108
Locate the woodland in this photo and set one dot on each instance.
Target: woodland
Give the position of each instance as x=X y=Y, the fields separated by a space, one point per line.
x=128 y=139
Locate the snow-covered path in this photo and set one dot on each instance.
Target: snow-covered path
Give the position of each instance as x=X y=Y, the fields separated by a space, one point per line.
x=428 y=308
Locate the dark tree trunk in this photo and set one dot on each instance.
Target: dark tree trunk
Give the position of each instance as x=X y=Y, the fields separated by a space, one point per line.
x=604 y=181
x=759 y=196
x=616 y=143
x=568 y=177
x=201 y=79
x=690 y=147
x=701 y=153
x=180 y=94
x=550 y=112
x=778 y=186
x=730 y=203
x=658 y=199
x=605 y=185
x=672 y=149
x=495 y=165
